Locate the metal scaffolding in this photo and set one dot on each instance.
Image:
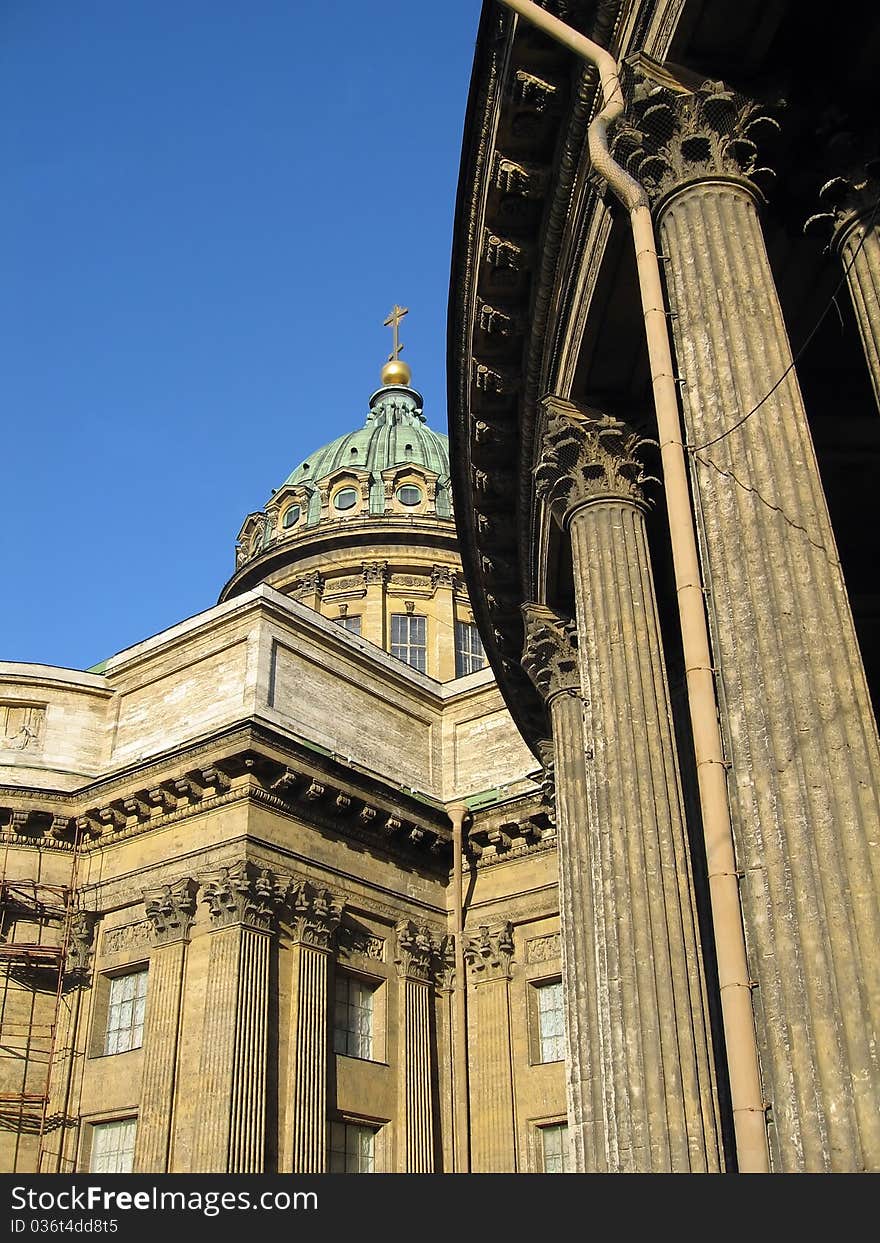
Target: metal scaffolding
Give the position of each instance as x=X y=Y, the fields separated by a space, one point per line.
x=35 y=920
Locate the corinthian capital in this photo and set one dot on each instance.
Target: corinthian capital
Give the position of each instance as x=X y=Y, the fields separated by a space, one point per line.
x=587 y=456
x=417 y=951
x=851 y=190
x=490 y=952
x=550 y=651
x=679 y=129
x=171 y=910
x=80 y=943
x=315 y=915
x=243 y=894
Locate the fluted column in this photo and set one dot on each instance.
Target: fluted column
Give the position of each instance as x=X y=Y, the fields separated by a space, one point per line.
x=231 y=1119
x=550 y=658
x=493 y=1121
x=417 y=952
x=851 y=211
x=802 y=740
x=170 y=910
x=658 y=1089
x=315 y=915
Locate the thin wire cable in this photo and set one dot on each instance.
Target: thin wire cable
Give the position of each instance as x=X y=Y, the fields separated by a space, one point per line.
x=831 y=302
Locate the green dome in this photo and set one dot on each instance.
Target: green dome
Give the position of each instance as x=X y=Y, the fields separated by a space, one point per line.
x=395 y=434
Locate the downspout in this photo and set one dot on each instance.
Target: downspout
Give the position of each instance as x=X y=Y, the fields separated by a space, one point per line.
x=749 y=1112
x=462 y=1163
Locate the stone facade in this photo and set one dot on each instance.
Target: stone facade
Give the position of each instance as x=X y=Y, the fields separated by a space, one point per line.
x=249 y=808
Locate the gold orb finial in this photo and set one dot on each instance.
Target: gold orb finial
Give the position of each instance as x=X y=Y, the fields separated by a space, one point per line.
x=396 y=371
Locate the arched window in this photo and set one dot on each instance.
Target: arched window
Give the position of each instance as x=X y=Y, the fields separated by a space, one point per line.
x=345 y=498
x=409 y=494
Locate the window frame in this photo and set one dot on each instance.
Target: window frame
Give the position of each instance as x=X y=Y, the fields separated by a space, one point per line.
x=539 y=1128
x=376 y=1125
x=345 y=509
x=409 y=646
x=100 y=1018
x=462 y=656
x=91 y=1128
x=536 y=1037
x=375 y=986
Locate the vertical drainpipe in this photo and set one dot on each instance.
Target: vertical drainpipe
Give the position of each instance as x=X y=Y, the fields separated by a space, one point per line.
x=749 y=1110
x=457 y=813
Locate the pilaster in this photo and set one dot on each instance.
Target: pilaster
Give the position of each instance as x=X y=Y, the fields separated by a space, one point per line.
x=230 y=1126
x=489 y=955
x=657 y=1085
x=314 y=916
x=417 y=952
x=170 y=910
x=375 y=625
x=798 y=724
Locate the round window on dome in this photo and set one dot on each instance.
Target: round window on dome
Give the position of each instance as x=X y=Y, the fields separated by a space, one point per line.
x=409 y=494
x=345 y=498
x=291 y=516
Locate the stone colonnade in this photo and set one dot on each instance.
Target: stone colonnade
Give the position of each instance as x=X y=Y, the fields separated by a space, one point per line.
x=799 y=730
x=641 y=1080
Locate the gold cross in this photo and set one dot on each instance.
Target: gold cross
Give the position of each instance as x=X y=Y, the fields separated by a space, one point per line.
x=392 y=321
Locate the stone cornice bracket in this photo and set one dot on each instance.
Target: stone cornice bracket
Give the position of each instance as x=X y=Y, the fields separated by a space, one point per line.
x=851 y=192
x=489 y=954
x=243 y=894
x=314 y=915
x=80 y=944
x=417 y=951
x=587 y=456
x=673 y=134
x=550 y=655
x=171 y=910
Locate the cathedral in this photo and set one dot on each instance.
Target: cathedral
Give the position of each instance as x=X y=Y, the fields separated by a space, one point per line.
x=516 y=807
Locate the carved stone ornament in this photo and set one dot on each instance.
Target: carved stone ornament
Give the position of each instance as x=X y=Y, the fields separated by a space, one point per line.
x=314 y=915
x=677 y=132
x=80 y=942
x=375 y=572
x=587 y=456
x=550 y=651
x=243 y=894
x=544 y=949
x=851 y=192
x=358 y=941
x=490 y=952
x=416 y=950
x=548 y=779
x=171 y=910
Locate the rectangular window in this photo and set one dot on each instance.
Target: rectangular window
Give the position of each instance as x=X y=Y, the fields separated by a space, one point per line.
x=352 y=1148
x=409 y=639
x=554 y=1147
x=125 y=1012
x=469 y=654
x=112 y=1147
x=551 y=1022
x=351 y=624
x=353 y=1017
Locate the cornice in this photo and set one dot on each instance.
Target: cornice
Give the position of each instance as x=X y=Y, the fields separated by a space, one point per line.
x=254 y=765
x=509 y=228
x=376 y=533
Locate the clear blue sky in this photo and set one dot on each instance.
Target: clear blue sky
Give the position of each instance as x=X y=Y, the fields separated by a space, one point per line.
x=208 y=208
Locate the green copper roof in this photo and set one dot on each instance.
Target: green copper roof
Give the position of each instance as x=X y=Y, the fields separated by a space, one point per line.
x=394 y=434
